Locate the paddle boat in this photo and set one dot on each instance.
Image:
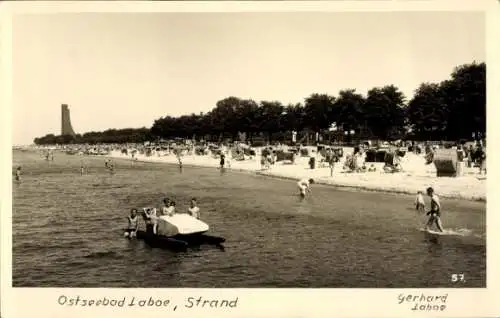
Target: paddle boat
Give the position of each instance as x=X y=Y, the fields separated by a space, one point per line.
x=179 y=232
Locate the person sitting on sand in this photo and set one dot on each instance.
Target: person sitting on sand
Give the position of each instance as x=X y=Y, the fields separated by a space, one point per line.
x=435 y=212
x=133 y=225
x=194 y=210
x=419 y=202
x=305 y=186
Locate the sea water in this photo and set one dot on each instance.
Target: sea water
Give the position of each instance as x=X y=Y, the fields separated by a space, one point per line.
x=67 y=231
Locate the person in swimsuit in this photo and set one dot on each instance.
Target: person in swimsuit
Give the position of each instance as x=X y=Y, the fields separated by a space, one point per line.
x=435 y=212
x=305 y=186
x=419 y=202
x=18 y=174
x=170 y=211
x=194 y=210
x=166 y=204
x=151 y=220
x=222 y=160
x=133 y=225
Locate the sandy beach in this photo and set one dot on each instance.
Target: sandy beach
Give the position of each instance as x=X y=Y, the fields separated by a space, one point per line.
x=416 y=175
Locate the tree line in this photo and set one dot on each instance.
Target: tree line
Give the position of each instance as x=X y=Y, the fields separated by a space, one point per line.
x=453 y=109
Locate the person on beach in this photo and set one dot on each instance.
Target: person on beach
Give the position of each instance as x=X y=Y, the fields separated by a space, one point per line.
x=435 y=212
x=194 y=210
x=82 y=170
x=305 y=186
x=419 y=202
x=133 y=225
x=18 y=174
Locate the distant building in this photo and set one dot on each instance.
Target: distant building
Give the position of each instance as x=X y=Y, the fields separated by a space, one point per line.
x=66 y=128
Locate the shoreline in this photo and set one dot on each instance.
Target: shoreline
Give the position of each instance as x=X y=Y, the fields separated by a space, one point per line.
x=351 y=181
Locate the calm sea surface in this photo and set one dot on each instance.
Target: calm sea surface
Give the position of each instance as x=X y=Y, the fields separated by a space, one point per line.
x=67 y=231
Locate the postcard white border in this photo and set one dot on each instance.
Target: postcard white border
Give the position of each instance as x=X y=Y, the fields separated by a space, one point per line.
x=42 y=302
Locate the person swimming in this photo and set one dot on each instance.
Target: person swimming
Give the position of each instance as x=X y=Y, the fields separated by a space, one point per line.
x=435 y=212
x=18 y=174
x=133 y=225
x=193 y=209
x=305 y=186
x=419 y=202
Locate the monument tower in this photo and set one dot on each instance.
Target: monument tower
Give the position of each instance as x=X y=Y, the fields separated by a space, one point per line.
x=66 y=128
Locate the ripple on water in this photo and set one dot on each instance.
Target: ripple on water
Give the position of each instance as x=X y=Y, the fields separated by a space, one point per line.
x=67 y=232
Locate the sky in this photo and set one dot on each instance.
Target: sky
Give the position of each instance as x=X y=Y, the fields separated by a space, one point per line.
x=124 y=70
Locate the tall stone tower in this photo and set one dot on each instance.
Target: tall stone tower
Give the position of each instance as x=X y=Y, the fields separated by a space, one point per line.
x=66 y=128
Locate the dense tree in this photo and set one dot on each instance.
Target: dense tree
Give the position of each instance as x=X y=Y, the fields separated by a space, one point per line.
x=350 y=108
x=385 y=112
x=465 y=97
x=128 y=135
x=271 y=117
x=427 y=112
x=319 y=112
x=452 y=109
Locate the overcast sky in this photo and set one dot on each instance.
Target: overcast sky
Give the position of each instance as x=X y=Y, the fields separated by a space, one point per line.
x=120 y=70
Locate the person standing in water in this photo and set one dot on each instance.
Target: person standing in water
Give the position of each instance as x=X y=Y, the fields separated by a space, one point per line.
x=18 y=174
x=133 y=225
x=435 y=212
x=194 y=210
x=419 y=202
x=305 y=186
x=222 y=160
x=151 y=220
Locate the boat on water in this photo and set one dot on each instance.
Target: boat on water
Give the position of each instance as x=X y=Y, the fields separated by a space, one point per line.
x=179 y=232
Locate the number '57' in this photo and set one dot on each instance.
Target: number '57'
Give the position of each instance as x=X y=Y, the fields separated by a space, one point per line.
x=457 y=278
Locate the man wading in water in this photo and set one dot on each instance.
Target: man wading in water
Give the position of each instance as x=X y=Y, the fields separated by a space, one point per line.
x=305 y=186
x=435 y=212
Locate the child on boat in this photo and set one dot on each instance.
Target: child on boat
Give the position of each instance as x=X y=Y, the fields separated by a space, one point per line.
x=133 y=225
x=194 y=210
x=435 y=212
x=166 y=204
x=170 y=210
